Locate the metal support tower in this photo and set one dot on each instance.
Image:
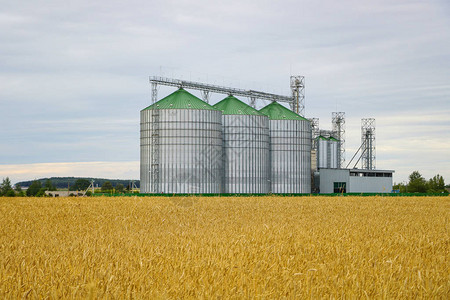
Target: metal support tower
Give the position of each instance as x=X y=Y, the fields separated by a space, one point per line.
x=297 y=104
x=338 y=124
x=132 y=185
x=298 y=94
x=154 y=170
x=91 y=186
x=368 y=143
x=154 y=92
x=314 y=132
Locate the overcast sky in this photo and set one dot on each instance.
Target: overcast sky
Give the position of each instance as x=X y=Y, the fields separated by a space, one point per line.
x=74 y=74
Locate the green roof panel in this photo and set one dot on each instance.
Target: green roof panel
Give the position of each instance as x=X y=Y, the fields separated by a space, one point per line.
x=233 y=106
x=321 y=137
x=180 y=99
x=276 y=111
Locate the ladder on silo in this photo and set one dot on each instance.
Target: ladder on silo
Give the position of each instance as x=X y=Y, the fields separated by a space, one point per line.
x=155 y=151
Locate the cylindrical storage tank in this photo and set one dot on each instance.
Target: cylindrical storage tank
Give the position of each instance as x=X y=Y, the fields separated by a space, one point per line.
x=245 y=148
x=333 y=146
x=181 y=146
x=322 y=152
x=290 y=150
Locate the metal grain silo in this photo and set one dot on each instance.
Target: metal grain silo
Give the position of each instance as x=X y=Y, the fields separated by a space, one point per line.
x=333 y=148
x=181 y=146
x=245 y=148
x=290 y=150
x=322 y=152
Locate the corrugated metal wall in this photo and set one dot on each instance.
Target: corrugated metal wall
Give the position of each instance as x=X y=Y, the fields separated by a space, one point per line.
x=246 y=154
x=333 y=154
x=189 y=151
x=290 y=153
x=322 y=153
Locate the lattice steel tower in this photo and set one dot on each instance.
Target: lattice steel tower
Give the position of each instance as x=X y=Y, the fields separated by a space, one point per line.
x=368 y=143
x=314 y=132
x=298 y=94
x=338 y=124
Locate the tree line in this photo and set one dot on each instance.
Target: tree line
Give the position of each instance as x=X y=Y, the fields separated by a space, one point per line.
x=38 y=189
x=64 y=182
x=418 y=184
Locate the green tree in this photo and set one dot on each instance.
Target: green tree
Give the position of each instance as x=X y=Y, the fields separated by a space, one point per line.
x=19 y=190
x=400 y=186
x=120 y=188
x=6 y=188
x=49 y=186
x=10 y=193
x=80 y=185
x=41 y=192
x=107 y=186
x=417 y=184
x=436 y=184
x=34 y=188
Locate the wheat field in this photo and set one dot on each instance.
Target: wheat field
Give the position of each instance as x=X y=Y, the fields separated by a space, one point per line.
x=223 y=247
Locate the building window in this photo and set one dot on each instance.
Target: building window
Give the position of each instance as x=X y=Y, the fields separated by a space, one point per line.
x=340 y=187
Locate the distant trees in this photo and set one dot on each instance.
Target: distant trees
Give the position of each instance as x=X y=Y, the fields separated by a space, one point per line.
x=418 y=184
x=436 y=184
x=49 y=186
x=35 y=189
x=400 y=187
x=107 y=187
x=120 y=188
x=39 y=187
x=18 y=190
x=6 y=188
x=80 y=185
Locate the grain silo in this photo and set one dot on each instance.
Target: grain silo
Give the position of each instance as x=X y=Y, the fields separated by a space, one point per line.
x=333 y=148
x=322 y=152
x=290 y=150
x=181 y=146
x=245 y=148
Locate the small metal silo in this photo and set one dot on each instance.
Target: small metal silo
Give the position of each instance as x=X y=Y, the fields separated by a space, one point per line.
x=245 y=148
x=181 y=146
x=333 y=146
x=322 y=152
x=290 y=150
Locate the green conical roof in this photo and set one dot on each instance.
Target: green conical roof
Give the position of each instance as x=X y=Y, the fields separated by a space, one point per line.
x=276 y=111
x=233 y=106
x=321 y=137
x=180 y=99
x=333 y=139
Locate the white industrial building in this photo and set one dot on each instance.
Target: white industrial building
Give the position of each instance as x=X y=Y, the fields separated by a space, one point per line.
x=353 y=181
